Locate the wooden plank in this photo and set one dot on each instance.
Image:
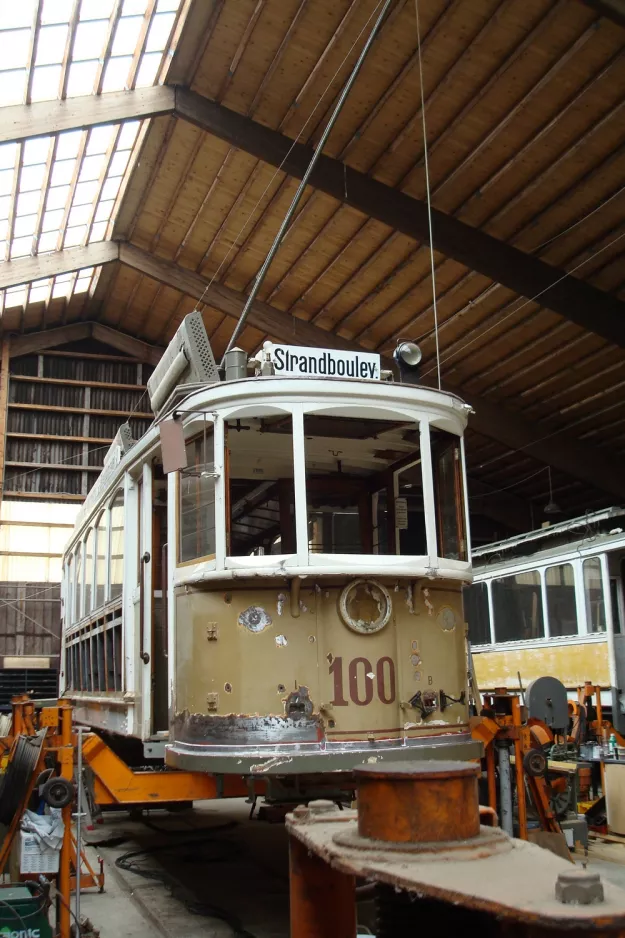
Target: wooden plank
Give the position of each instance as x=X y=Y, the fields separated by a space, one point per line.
x=142 y=351
x=32 y=379
x=574 y=299
x=55 y=436
x=20 y=122
x=26 y=269
x=4 y=393
x=37 y=341
x=139 y=414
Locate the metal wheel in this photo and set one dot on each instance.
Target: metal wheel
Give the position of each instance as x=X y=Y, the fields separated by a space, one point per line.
x=58 y=792
x=535 y=763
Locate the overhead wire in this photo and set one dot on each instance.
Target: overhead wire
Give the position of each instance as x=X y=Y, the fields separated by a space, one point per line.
x=526 y=302
x=428 y=196
x=287 y=154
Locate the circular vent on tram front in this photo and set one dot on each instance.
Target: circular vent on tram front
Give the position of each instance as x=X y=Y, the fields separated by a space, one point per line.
x=365 y=606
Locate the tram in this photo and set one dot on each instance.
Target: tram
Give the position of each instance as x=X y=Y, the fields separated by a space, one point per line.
x=270 y=579
x=553 y=602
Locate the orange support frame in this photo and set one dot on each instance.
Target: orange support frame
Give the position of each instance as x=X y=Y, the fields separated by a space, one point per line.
x=116 y=783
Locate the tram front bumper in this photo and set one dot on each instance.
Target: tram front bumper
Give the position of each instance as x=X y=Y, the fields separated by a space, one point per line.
x=312 y=758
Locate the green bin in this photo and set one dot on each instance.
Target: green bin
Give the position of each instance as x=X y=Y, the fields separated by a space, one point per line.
x=22 y=914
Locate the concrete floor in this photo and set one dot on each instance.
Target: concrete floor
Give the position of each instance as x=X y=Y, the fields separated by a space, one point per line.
x=243 y=869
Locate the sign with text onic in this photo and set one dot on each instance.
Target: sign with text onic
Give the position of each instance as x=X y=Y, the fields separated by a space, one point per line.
x=325 y=363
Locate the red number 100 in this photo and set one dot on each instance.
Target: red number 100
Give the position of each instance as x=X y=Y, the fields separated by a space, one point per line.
x=360 y=680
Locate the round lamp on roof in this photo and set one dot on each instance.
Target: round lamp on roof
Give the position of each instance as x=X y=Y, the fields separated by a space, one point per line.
x=407 y=357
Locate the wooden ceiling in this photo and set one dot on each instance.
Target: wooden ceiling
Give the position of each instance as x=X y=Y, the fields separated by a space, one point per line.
x=525 y=117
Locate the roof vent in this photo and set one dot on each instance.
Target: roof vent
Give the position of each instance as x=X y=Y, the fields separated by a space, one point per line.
x=188 y=358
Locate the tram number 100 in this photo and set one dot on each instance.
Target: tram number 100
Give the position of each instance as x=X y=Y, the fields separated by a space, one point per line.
x=362 y=680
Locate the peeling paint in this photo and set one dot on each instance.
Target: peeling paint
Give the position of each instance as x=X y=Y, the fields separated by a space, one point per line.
x=409 y=600
x=281 y=641
x=255 y=619
x=281 y=602
x=427 y=601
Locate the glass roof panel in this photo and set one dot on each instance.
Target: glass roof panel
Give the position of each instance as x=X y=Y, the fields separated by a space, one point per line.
x=100 y=139
x=90 y=37
x=68 y=144
x=14 y=47
x=32 y=177
x=12 y=87
x=46 y=81
x=96 y=9
x=14 y=15
x=148 y=70
x=82 y=76
x=56 y=11
x=51 y=45
x=36 y=150
x=67 y=190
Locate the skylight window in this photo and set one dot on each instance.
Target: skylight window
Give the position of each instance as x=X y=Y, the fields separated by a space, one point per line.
x=67 y=186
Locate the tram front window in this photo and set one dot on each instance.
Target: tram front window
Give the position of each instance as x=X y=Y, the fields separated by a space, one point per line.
x=196 y=492
x=356 y=470
x=261 y=502
x=449 y=495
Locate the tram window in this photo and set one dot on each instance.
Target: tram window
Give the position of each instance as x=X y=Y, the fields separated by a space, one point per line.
x=117 y=545
x=88 y=571
x=593 y=594
x=517 y=607
x=616 y=612
x=449 y=495
x=355 y=469
x=196 y=490
x=77 y=582
x=561 y=608
x=476 y=612
x=100 y=565
x=262 y=494
x=68 y=608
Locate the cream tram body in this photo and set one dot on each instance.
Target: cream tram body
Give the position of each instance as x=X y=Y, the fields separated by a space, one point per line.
x=553 y=602
x=300 y=609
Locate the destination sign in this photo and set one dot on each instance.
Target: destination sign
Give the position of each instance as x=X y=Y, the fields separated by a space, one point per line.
x=327 y=363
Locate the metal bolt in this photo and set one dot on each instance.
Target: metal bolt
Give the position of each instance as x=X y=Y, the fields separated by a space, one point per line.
x=320 y=806
x=579 y=887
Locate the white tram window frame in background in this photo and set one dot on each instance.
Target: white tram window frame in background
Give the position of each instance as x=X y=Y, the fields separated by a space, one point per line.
x=108 y=631
x=598 y=601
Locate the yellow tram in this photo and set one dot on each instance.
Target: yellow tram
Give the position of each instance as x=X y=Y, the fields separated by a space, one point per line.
x=270 y=580
x=552 y=602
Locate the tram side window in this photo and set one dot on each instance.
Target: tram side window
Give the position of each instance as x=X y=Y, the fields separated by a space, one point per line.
x=449 y=495
x=476 y=613
x=561 y=608
x=68 y=608
x=100 y=565
x=196 y=500
x=593 y=594
x=517 y=607
x=77 y=583
x=262 y=493
x=117 y=545
x=363 y=483
x=88 y=571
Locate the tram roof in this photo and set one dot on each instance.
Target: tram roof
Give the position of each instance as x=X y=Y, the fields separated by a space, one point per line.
x=181 y=140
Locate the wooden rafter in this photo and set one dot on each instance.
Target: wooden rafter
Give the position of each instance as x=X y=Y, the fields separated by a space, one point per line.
x=526 y=275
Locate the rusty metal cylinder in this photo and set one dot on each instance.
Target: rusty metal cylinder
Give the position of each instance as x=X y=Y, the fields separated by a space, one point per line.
x=423 y=802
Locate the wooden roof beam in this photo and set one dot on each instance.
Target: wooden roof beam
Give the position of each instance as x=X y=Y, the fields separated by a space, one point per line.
x=611 y=9
x=490 y=419
x=526 y=275
x=26 y=269
x=22 y=121
x=34 y=342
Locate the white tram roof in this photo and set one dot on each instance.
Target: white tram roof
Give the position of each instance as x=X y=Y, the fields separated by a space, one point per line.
x=592 y=532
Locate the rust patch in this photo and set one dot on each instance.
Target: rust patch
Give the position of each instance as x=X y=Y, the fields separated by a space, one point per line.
x=298 y=705
x=246 y=730
x=255 y=619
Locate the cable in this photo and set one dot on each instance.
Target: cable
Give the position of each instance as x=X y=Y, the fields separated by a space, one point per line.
x=506 y=487
x=286 y=156
x=228 y=851
x=526 y=302
x=429 y=198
